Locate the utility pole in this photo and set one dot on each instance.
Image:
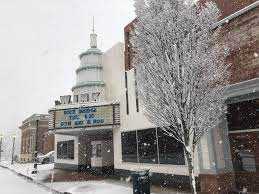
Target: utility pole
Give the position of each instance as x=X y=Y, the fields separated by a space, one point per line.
x=36 y=148
x=13 y=149
x=1 y=141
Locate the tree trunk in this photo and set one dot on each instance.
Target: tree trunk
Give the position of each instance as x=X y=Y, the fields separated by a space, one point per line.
x=191 y=172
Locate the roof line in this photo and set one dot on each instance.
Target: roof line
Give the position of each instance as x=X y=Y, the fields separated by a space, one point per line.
x=236 y=14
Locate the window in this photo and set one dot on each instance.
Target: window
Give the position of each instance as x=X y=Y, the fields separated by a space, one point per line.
x=96 y=96
x=84 y=97
x=150 y=143
x=129 y=146
x=147 y=146
x=136 y=90
x=98 y=150
x=75 y=99
x=244 y=153
x=170 y=151
x=65 y=149
x=243 y=115
x=127 y=94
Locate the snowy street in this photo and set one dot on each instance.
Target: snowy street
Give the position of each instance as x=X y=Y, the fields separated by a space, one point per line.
x=10 y=183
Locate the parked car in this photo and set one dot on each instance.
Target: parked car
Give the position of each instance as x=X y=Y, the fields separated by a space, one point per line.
x=47 y=158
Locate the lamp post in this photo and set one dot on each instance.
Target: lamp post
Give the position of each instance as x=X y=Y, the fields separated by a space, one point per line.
x=1 y=141
x=36 y=148
x=13 y=148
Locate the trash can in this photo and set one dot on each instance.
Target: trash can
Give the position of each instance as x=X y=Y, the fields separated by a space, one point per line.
x=141 y=182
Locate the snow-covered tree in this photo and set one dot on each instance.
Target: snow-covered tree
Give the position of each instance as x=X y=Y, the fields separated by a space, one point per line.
x=181 y=74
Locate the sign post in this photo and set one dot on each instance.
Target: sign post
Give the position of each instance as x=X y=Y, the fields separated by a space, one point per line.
x=13 y=149
x=1 y=141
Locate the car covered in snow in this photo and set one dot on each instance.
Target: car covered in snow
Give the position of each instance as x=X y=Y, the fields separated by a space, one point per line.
x=47 y=158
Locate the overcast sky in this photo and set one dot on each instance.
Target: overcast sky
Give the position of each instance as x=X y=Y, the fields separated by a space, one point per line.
x=40 y=41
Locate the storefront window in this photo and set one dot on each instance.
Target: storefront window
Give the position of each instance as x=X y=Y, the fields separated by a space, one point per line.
x=170 y=151
x=129 y=146
x=65 y=149
x=147 y=145
x=244 y=151
x=243 y=115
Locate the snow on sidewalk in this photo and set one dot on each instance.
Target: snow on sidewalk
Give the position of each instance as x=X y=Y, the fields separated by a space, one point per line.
x=100 y=187
x=76 y=187
x=10 y=183
x=26 y=169
x=91 y=187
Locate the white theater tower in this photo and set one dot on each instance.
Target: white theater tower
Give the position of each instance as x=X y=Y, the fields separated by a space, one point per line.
x=90 y=87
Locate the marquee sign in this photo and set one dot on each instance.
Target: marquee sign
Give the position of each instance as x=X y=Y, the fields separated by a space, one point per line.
x=85 y=117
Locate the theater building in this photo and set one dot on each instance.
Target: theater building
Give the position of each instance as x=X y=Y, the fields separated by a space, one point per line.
x=103 y=127
x=84 y=123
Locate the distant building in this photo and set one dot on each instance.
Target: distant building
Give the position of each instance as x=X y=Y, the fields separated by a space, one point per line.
x=35 y=137
x=8 y=136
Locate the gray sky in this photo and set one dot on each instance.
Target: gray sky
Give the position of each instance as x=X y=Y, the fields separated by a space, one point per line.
x=40 y=41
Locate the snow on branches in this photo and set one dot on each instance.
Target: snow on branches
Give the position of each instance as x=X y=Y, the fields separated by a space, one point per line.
x=181 y=72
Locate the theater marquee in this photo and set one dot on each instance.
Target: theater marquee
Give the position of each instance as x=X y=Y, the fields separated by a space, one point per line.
x=85 y=117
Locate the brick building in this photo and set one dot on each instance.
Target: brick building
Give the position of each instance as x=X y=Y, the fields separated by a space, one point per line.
x=238 y=169
x=35 y=137
x=228 y=156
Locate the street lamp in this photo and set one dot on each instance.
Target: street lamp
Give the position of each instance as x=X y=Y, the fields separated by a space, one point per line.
x=36 y=149
x=1 y=141
x=13 y=148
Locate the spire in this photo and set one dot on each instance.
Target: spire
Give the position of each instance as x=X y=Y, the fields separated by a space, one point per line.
x=93 y=38
x=93 y=24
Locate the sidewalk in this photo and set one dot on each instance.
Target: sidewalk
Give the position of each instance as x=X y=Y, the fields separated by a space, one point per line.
x=46 y=178
x=26 y=169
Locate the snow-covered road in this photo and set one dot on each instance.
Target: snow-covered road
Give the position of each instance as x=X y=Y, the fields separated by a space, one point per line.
x=10 y=183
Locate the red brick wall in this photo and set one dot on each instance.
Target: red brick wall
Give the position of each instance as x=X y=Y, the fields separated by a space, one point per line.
x=24 y=143
x=217 y=184
x=45 y=142
x=42 y=130
x=242 y=33
x=48 y=144
x=228 y=7
x=128 y=53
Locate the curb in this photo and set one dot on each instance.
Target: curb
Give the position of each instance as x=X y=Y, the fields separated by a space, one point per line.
x=54 y=191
